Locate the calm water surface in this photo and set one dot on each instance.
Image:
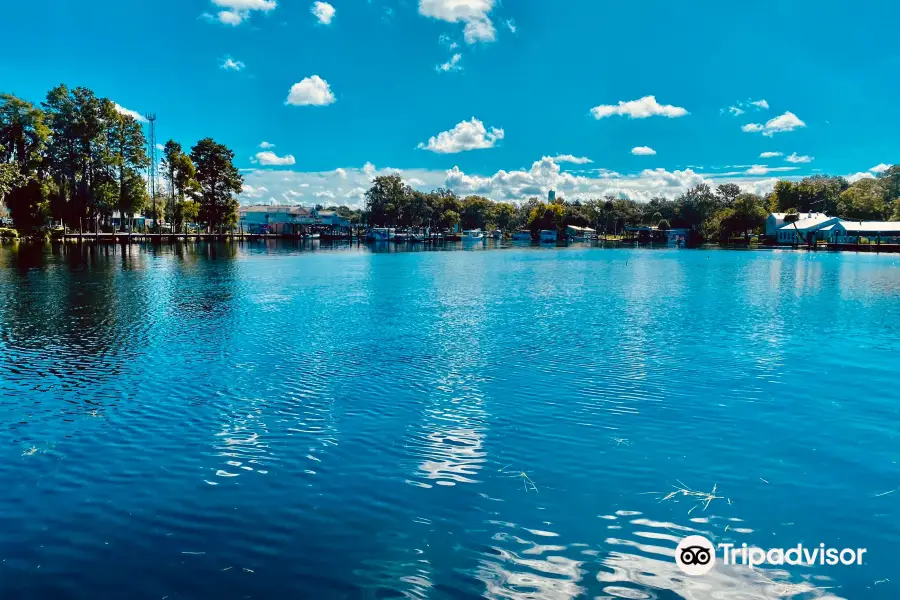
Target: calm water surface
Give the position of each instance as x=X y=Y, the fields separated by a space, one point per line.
x=272 y=422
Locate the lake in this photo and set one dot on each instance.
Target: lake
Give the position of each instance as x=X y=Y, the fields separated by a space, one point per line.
x=275 y=421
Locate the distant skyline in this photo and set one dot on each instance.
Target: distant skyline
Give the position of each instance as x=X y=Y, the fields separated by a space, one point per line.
x=506 y=100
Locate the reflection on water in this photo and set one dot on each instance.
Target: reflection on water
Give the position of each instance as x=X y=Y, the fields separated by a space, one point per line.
x=321 y=420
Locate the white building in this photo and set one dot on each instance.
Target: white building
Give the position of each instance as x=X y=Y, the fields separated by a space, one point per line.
x=775 y=221
x=808 y=230
x=850 y=232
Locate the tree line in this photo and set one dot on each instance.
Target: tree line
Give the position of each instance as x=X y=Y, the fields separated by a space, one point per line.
x=76 y=159
x=716 y=214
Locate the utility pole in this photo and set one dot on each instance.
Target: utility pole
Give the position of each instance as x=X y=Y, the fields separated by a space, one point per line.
x=151 y=118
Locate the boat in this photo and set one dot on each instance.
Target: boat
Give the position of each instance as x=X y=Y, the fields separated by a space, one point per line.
x=416 y=237
x=472 y=235
x=310 y=236
x=380 y=234
x=548 y=236
x=401 y=237
x=497 y=234
x=522 y=235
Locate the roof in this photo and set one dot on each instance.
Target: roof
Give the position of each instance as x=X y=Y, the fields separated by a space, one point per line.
x=810 y=224
x=872 y=226
x=576 y=228
x=266 y=208
x=802 y=216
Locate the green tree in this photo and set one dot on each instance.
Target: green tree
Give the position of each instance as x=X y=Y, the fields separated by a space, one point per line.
x=864 y=201
x=385 y=200
x=23 y=136
x=890 y=180
x=501 y=215
x=127 y=154
x=183 y=186
x=475 y=210
x=728 y=193
x=218 y=180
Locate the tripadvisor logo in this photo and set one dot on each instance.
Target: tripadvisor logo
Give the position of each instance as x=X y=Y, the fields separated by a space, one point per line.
x=696 y=555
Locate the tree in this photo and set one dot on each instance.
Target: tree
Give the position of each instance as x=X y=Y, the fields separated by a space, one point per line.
x=728 y=192
x=474 y=212
x=218 y=179
x=385 y=200
x=663 y=225
x=128 y=155
x=890 y=180
x=183 y=185
x=23 y=137
x=501 y=215
x=133 y=195
x=864 y=201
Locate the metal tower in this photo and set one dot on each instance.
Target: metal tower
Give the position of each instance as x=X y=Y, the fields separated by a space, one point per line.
x=151 y=118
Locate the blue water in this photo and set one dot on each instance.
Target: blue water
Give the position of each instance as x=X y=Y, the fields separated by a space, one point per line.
x=273 y=422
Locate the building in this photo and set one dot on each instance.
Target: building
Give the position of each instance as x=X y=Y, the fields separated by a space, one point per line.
x=276 y=219
x=330 y=218
x=579 y=233
x=678 y=236
x=551 y=195
x=775 y=221
x=810 y=229
x=850 y=232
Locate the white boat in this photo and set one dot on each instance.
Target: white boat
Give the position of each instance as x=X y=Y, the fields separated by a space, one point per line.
x=472 y=235
x=522 y=235
x=417 y=237
x=401 y=237
x=380 y=234
x=497 y=234
x=548 y=236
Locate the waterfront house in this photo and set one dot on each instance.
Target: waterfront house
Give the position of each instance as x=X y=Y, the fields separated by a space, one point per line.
x=276 y=219
x=330 y=218
x=850 y=232
x=775 y=221
x=677 y=235
x=579 y=234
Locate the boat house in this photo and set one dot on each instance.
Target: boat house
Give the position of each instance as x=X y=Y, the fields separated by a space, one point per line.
x=850 y=232
x=775 y=221
x=276 y=219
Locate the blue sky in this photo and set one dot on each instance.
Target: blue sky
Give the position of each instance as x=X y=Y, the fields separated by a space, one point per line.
x=508 y=90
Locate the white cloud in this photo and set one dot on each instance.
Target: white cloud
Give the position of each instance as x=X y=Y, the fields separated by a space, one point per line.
x=857 y=176
x=638 y=109
x=312 y=91
x=451 y=65
x=270 y=159
x=770 y=154
x=511 y=25
x=568 y=158
x=233 y=65
x=474 y=13
x=760 y=104
x=266 y=145
x=349 y=184
x=481 y=30
x=735 y=111
x=786 y=122
x=764 y=170
x=325 y=194
x=643 y=151
x=237 y=11
x=880 y=168
x=130 y=113
x=455 y=11
x=794 y=158
x=160 y=147
x=323 y=11
x=467 y=135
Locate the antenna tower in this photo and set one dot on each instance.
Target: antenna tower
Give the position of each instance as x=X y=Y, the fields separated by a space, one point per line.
x=151 y=118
